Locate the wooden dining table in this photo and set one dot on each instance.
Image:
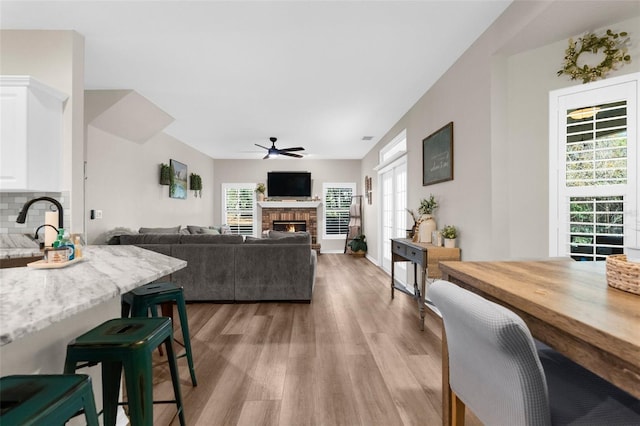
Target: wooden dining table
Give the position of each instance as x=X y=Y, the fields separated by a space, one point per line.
x=567 y=305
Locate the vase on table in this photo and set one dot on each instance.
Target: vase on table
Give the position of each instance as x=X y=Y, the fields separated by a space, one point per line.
x=427 y=226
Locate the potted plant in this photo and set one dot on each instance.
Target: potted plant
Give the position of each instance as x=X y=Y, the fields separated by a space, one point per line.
x=165 y=174
x=358 y=245
x=196 y=184
x=428 y=206
x=427 y=223
x=260 y=190
x=449 y=233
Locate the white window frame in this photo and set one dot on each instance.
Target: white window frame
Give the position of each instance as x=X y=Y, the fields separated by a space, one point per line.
x=395 y=149
x=325 y=187
x=239 y=186
x=574 y=97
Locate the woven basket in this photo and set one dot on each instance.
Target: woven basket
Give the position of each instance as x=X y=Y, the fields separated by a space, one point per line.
x=623 y=275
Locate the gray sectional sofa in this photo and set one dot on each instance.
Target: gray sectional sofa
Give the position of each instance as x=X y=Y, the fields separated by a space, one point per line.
x=224 y=268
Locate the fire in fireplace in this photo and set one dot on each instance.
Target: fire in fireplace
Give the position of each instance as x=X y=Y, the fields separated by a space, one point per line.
x=289 y=225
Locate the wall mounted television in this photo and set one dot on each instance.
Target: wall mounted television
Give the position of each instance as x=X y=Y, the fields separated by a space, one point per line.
x=289 y=184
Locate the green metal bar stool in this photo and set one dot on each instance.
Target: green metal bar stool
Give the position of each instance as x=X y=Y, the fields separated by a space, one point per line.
x=147 y=298
x=127 y=343
x=47 y=399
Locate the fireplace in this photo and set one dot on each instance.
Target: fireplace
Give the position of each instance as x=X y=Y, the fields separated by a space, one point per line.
x=297 y=212
x=289 y=225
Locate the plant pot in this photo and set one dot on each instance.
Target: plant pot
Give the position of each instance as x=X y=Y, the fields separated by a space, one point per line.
x=360 y=253
x=260 y=196
x=450 y=242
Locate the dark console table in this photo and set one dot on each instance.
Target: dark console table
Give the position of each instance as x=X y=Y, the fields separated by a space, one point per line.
x=427 y=256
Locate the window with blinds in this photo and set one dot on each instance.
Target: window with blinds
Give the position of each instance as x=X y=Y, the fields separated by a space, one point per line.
x=596 y=226
x=593 y=160
x=337 y=201
x=596 y=150
x=239 y=207
x=595 y=175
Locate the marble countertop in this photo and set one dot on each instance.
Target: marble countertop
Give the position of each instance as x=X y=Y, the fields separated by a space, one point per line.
x=18 y=245
x=32 y=299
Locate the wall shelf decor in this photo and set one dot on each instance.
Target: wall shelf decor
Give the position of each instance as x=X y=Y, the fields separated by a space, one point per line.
x=437 y=156
x=195 y=183
x=165 y=174
x=368 y=190
x=612 y=45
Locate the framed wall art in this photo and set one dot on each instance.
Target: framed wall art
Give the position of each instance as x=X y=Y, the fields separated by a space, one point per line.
x=178 y=186
x=437 y=156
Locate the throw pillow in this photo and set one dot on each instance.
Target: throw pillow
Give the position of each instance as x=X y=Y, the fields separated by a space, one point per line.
x=195 y=230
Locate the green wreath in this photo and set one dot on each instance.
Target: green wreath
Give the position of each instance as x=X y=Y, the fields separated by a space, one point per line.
x=612 y=44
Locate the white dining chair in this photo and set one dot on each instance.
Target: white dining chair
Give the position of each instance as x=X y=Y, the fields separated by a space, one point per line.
x=499 y=372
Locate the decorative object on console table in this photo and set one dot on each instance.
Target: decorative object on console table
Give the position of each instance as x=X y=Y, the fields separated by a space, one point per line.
x=413 y=232
x=195 y=182
x=178 y=187
x=260 y=189
x=449 y=233
x=165 y=174
x=437 y=156
x=427 y=223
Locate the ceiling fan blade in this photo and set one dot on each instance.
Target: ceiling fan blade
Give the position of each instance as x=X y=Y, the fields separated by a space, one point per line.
x=266 y=157
x=261 y=146
x=290 y=155
x=298 y=148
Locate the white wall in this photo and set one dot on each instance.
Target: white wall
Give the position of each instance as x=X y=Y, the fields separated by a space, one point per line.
x=497 y=96
x=245 y=171
x=123 y=182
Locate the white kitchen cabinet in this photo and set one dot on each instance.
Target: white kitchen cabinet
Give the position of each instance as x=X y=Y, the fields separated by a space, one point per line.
x=30 y=135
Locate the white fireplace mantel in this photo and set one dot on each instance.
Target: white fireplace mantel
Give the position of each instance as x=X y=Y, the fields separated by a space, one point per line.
x=289 y=204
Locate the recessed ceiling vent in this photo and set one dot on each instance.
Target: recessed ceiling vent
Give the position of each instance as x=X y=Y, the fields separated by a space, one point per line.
x=367 y=138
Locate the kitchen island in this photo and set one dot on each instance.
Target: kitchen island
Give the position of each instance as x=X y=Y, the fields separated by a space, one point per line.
x=42 y=310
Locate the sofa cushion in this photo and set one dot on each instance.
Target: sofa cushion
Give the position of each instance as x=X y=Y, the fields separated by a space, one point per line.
x=150 y=239
x=291 y=237
x=195 y=230
x=278 y=241
x=211 y=239
x=173 y=230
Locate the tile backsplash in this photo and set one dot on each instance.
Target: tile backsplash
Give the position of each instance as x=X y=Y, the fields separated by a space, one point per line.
x=11 y=204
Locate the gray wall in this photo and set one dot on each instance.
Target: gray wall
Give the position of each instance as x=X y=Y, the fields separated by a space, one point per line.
x=497 y=96
x=249 y=171
x=123 y=182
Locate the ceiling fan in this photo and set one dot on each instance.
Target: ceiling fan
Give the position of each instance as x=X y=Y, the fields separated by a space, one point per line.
x=275 y=152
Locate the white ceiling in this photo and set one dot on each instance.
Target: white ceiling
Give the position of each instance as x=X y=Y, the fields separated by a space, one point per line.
x=317 y=74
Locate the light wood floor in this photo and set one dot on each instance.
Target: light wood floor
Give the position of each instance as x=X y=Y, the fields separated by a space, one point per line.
x=351 y=357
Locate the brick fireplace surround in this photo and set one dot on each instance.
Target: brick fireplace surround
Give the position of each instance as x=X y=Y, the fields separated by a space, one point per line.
x=274 y=210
